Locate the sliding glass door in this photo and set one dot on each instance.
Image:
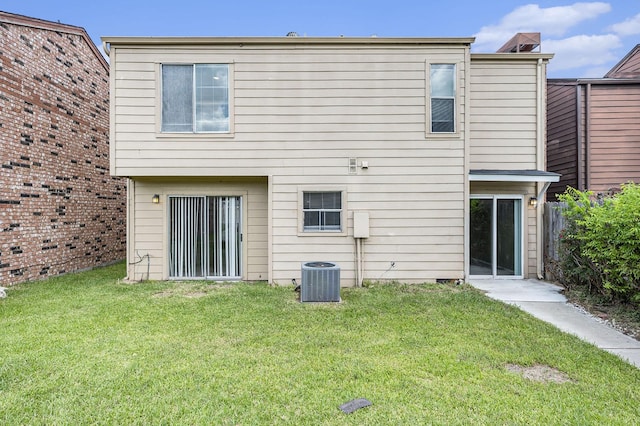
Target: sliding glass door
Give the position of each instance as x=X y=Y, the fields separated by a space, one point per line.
x=205 y=237
x=496 y=245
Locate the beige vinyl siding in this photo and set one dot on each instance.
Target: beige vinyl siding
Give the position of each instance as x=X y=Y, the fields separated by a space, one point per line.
x=148 y=235
x=416 y=222
x=504 y=116
x=507 y=130
x=419 y=230
x=299 y=115
x=285 y=101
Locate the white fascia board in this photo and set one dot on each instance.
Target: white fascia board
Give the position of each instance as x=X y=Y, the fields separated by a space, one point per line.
x=513 y=178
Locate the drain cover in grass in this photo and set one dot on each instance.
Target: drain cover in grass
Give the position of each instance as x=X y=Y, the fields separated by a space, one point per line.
x=356 y=404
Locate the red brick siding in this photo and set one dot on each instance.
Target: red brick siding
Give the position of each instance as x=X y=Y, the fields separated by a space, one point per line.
x=60 y=210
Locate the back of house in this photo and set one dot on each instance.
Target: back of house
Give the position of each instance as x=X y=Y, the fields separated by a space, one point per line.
x=249 y=157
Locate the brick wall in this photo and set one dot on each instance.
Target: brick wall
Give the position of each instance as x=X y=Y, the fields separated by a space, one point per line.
x=60 y=210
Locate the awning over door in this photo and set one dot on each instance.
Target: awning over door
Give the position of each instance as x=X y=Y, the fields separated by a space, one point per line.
x=484 y=175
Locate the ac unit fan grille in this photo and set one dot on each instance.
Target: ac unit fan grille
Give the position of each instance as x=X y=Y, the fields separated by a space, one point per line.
x=320 y=282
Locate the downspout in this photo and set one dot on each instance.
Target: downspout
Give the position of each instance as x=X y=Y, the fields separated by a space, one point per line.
x=107 y=48
x=131 y=195
x=359 y=262
x=467 y=160
x=540 y=164
x=270 y=230
x=587 y=137
x=579 y=139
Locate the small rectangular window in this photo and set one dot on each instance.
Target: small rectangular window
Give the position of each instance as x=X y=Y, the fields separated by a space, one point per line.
x=442 y=92
x=322 y=211
x=195 y=98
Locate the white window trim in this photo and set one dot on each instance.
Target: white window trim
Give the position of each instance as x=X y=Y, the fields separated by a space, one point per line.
x=244 y=195
x=456 y=103
x=523 y=230
x=193 y=135
x=343 y=216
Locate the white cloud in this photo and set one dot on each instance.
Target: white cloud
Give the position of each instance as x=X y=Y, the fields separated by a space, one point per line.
x=582 y=50
x=595 y=72
x=628 y=27
x=554 y=21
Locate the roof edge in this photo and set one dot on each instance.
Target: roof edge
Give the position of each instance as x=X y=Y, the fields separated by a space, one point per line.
x=512 y=56
x=593 y=81
x=27 y=21
x=613 y=71
x=150 y=41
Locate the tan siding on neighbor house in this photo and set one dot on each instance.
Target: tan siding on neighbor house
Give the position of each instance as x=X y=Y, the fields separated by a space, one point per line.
x=562 y=135
x=614 y=136
x=628 y=67
x=594 y=133
x=503 y=122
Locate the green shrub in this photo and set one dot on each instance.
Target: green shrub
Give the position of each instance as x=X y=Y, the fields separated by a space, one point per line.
x=602 y=242
x=577 y=270
x=612 y=241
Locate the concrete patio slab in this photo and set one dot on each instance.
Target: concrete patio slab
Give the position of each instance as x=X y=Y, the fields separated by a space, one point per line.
x=545 y=301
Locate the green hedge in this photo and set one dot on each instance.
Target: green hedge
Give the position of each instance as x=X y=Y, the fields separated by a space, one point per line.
x=601 y=243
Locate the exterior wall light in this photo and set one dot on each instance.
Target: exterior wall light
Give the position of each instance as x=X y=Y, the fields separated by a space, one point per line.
x=533 y=202
x=155 y=199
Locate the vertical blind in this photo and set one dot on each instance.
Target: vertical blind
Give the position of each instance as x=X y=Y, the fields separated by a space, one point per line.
x=205 y=237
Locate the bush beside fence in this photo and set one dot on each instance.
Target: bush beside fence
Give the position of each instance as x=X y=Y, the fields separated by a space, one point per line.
x=598 y=245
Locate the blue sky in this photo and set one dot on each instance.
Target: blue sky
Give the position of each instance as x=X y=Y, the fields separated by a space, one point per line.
x=588 y=38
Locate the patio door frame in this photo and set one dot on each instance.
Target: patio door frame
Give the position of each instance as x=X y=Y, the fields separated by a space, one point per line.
x=494 y=235
x=236 y=244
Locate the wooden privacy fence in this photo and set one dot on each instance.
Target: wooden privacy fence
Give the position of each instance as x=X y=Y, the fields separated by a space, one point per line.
x=554 y=223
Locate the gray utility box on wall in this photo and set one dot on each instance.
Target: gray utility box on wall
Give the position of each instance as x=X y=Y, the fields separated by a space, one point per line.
x=320 y=282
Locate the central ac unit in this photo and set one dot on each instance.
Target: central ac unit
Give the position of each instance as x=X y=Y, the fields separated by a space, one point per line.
x=320 y=282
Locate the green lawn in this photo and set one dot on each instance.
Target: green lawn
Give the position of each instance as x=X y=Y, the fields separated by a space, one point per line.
x=88 y=349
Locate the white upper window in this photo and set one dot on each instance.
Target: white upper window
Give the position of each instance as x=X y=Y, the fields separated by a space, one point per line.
x=442 y=91
x=195 y=98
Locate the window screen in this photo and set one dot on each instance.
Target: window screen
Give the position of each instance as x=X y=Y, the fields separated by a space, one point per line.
x=442 y=93
x=322 y=211
x=195 y=98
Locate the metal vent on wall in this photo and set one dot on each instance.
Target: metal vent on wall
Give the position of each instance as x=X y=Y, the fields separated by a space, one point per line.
x=320 y=282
